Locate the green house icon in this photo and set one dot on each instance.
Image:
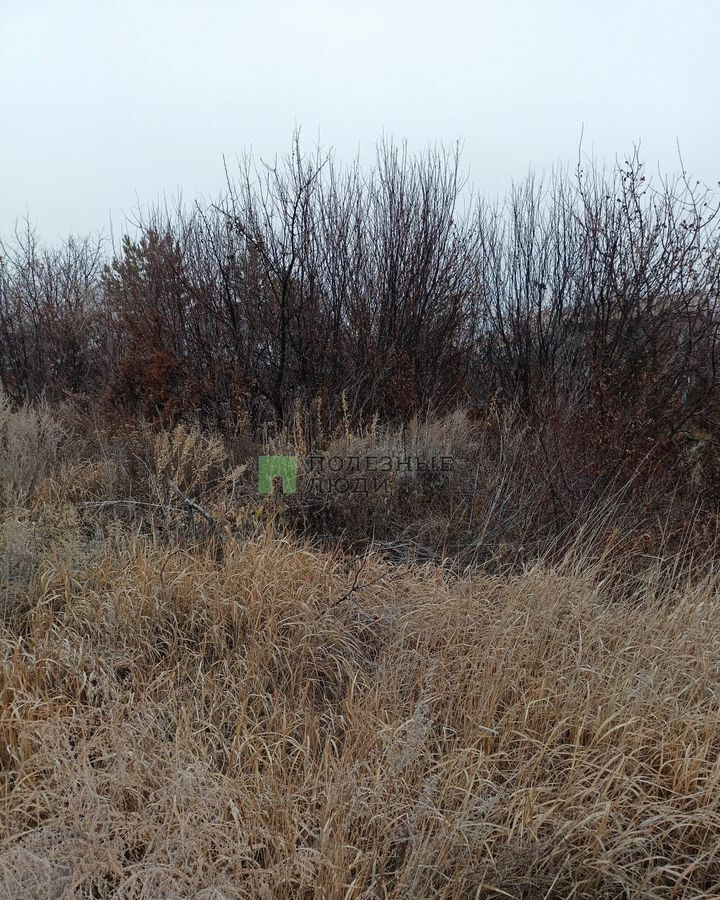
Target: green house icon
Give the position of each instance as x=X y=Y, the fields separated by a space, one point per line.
x=272 y=467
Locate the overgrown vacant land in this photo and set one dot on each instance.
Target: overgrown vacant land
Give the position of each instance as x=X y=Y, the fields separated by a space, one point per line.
x=209 y=712
x=495 y=678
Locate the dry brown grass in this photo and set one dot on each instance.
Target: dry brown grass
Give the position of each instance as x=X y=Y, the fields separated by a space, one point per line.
x=29 y=442
x=177 y=727
x=186 y=719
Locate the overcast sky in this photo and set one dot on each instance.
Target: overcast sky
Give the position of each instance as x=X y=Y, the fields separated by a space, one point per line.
x=105 y=104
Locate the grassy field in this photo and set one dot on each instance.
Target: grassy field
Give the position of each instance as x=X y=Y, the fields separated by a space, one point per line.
x=245 y=710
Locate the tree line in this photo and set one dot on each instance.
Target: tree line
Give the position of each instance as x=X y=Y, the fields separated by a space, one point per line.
x=591 y=293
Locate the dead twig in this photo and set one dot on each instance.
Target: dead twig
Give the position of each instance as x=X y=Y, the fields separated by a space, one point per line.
x=192 y=504
x=356 y=587
x=98 y=504
x=193 y=507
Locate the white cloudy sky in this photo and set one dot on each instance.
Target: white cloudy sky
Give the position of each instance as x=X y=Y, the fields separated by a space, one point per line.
x=104 y=104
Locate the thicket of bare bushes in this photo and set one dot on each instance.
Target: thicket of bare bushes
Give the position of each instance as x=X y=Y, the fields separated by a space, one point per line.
x=393 y=285
x=576 y=322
